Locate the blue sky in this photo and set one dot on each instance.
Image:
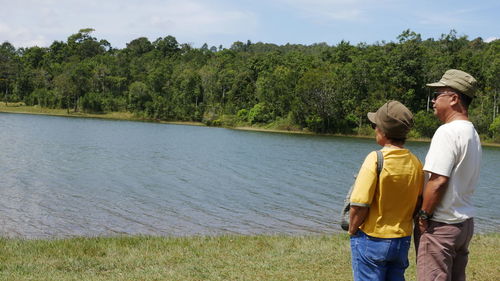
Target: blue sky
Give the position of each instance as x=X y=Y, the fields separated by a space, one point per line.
x=221 y=22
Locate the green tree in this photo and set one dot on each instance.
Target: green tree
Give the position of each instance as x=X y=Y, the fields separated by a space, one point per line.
x=317 y=106
x=168 y=46
x=139 y=47
x=65 y=88
x=9 y=70
x=92 y=102
x=83 y=45
x=138 y=96
x=425 y=124
x=259 y=114
x=405 y=70
x=276 y=90
x=495 y=129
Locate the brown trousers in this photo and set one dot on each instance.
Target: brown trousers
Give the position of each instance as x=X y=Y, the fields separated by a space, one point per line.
x=442 y=252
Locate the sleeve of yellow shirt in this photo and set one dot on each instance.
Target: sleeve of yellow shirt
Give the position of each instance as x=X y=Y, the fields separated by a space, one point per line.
x=366 y=182
x=422 y=177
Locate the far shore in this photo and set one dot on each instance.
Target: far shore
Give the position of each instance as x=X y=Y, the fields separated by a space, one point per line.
x=128 y=116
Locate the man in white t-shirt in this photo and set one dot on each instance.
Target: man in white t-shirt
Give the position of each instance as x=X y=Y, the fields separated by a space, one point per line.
x=445 y=220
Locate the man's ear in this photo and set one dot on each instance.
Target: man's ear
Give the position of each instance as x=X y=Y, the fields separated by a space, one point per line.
x=455 y=99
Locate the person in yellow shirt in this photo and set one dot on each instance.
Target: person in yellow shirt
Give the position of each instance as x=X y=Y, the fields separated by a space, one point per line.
x=383 y=206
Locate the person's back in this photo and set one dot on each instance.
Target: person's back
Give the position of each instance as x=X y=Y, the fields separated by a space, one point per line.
x=393 y=202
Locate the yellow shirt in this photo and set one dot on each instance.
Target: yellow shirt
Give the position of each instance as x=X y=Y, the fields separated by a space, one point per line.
x=393 y=202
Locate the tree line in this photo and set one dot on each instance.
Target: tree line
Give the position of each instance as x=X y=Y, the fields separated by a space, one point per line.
x=322 y=88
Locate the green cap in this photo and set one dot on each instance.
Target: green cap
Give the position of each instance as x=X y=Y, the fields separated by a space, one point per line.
x=393 y=118
x=458 y=80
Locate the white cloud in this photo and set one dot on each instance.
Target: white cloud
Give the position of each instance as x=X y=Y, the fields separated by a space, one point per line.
x=41 y=22
x=491 y=39
x=21 y=37
x=28 y=22
x=440 y=18
x=345 y=15
x=197 y=18
x=327 y=10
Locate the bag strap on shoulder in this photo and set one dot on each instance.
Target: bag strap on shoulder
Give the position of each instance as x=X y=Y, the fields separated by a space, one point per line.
x=380 y=162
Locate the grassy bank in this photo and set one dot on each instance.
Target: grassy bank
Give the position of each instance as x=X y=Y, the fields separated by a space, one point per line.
x=205 y=258
x=19 y=108
x=23 y=109
x=275 y=128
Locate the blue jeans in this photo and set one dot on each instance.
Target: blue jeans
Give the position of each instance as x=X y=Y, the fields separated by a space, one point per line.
x=379 y=258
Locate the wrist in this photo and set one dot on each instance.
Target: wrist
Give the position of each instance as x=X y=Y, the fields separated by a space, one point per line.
x=423 y=215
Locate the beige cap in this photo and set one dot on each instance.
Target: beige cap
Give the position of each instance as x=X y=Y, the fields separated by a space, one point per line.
x=393 y=118
x=458 y=80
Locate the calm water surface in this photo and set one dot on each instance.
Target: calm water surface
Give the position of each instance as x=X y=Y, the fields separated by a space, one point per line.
x=63 y=177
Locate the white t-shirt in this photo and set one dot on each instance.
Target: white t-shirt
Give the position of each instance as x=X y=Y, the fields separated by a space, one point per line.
x=455 y=152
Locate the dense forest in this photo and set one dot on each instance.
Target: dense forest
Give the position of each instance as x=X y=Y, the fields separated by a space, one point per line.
x=321 y=88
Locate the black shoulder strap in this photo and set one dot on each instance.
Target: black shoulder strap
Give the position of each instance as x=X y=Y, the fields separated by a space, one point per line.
x=380 y=162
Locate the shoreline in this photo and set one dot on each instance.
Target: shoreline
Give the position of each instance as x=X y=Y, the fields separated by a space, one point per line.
x=128 y=116
x=119 y=116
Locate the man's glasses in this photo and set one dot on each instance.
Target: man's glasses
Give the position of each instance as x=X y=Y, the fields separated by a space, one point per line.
x=436 y=95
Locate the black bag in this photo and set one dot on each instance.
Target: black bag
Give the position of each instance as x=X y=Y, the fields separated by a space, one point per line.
x=344 y=216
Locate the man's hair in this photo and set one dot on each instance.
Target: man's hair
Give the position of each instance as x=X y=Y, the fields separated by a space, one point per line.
x=465 y=100
x=400 y=141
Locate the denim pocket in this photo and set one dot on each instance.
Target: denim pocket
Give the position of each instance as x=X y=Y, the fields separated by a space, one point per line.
x=376 y=249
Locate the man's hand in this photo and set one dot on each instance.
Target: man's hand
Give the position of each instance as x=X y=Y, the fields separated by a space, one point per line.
x=357 y=216
x=423 y=225
x=433 y=192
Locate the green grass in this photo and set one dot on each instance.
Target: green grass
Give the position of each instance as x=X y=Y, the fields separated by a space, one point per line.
x=24 y=109
x=205 y=258
x=21 y=108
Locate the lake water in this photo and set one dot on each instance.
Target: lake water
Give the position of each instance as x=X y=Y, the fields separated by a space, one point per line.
x=64 y=177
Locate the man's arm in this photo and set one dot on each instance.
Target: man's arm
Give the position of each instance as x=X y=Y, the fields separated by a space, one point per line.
x=357 y=216
x=433 y=193
x=418 y=206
